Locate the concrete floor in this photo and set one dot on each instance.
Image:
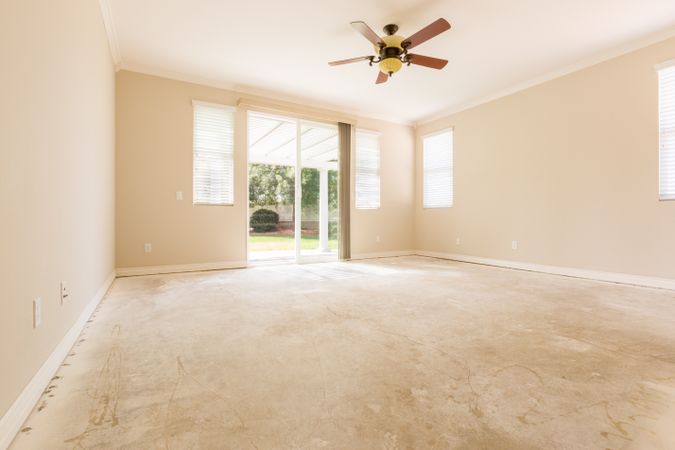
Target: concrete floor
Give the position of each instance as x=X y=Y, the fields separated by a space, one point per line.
x=394 y=353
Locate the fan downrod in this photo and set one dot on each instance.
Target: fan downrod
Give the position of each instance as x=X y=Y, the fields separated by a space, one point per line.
x=390 y=29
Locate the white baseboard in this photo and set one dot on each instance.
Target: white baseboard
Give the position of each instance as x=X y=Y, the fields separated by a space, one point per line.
x=198 y=267
x=11 y=422
x=612 y=277
x=391 y=254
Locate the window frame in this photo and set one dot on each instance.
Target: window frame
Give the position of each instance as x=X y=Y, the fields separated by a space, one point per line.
x=377 y=134
x=450 y=130
x=232 y=110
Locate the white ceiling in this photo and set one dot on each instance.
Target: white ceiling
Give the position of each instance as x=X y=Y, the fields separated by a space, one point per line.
x=282 y=47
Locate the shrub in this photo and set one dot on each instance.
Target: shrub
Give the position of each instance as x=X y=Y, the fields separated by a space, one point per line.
x=264 y=220
x=332 y=230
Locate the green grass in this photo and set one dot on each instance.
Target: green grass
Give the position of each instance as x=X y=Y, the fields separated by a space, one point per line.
x=278 y=242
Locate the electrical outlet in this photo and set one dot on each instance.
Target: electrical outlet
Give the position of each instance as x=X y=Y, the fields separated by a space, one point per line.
x=377 y=238
x=457 y=241
x=64 y=292
x=179 y=195
x=37 y=312
x=148 y=248
x=514 y=245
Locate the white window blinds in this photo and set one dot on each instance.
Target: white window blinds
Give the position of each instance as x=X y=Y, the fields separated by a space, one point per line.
x=438 y=176
x=667 y=132
x=213 y=154
x=367 y=170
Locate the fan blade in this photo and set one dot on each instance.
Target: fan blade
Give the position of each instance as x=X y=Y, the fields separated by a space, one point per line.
x=352 y=60
x=427 y=61
x=381 y=78
x=367 y=32
x=426 y=33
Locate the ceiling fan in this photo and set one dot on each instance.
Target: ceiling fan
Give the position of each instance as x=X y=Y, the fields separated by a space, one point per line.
x=392 y=50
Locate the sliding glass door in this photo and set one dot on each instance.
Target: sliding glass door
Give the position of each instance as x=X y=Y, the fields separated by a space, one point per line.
x=293 y=187
x=319 y=168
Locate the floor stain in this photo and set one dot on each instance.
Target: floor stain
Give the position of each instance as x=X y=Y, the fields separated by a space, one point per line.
x=425 y=354
x=105 y=395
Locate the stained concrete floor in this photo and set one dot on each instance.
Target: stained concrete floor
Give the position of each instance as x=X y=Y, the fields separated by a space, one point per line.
x=394 y=353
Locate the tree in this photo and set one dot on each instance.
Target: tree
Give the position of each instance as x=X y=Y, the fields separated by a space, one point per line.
x=271 y=185
x=333 y=190
x=310 y=187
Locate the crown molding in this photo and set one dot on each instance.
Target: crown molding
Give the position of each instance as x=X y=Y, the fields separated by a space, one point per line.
x=260 y=93
x=176 y=76
x=615 y=52
x=295 y=110
x=109 y=23
x=598 y=58
x=356 y=114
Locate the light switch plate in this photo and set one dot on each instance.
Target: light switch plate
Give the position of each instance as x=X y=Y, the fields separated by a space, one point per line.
x=148 y=248
x=179 y=195
x=37 y=312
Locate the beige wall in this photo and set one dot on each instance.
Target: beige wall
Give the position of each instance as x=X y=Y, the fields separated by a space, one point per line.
x=568 y=168
x=154 y=161
x=393 y=222
x=56 y=175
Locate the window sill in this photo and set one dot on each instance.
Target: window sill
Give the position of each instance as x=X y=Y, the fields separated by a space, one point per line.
x=213 y=204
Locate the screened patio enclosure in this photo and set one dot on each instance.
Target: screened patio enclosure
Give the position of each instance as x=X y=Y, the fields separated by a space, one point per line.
x=293 y=188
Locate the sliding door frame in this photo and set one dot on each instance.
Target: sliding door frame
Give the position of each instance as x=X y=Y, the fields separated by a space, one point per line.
x=297 y=226
x=298 y=190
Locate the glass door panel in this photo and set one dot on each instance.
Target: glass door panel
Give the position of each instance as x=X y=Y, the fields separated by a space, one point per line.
x=272 y=156
x=318 y=161
x=293 y=189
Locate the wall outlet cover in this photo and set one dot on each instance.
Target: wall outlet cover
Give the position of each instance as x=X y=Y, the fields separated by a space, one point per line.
x=64 y=292
x=514 y=245
x=148 y=248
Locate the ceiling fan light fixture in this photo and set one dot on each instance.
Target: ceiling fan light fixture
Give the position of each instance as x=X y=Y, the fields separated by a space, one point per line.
x=391 y=50
x=390 y=65
x=391 y=41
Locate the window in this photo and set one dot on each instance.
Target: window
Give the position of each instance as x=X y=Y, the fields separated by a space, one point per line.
x=667 y=131
x=367 y=170
x=437 y=176
x=213 y=154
